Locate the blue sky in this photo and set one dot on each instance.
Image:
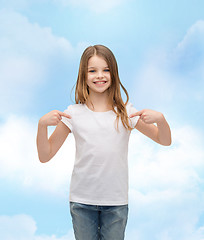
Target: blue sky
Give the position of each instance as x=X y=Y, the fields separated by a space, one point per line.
x=159 y=46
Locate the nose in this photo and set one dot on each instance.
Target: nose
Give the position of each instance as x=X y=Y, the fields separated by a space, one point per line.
x=100 y=74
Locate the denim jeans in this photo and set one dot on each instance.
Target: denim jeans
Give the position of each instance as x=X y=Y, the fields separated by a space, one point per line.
x=92 y=222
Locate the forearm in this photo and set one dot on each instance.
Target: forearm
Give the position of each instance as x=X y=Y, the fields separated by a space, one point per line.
x=164 y=132
x=43 y=145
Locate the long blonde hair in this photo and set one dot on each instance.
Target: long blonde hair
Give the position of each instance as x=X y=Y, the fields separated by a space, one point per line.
x=82 y=91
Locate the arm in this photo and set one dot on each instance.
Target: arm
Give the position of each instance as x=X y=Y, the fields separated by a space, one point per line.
x=160 y=133
x=47 y=148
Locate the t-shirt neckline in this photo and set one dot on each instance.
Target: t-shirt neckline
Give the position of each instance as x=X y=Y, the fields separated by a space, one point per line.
x=96 y=112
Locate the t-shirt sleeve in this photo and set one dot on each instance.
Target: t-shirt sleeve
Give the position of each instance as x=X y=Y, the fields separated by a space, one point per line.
x=68 y=121
x=130 y=110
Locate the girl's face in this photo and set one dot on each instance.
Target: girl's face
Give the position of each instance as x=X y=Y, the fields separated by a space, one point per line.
x=98 y=78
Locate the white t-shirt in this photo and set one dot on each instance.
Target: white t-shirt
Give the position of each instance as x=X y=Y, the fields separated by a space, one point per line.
x=100 y=173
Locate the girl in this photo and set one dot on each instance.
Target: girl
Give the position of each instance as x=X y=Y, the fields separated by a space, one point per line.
x=101 y=123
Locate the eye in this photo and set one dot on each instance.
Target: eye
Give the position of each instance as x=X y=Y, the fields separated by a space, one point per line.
x=106 y=70
x=91 y=71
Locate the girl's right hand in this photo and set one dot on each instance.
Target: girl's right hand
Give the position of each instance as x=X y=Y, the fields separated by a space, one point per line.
x=52 y=118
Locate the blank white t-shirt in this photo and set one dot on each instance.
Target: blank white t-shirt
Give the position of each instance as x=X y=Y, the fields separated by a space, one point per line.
x=100 y=173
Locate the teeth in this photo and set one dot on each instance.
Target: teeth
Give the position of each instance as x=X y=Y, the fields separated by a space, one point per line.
x=100 y=82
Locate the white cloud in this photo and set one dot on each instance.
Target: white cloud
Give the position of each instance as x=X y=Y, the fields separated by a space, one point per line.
x=175 y=165
x=194 y=36
x=17 y=227
x=28 y=53
x=19 y=161
x=174 y=75
x=23 y=227
x=166 y=186
x=189 y=53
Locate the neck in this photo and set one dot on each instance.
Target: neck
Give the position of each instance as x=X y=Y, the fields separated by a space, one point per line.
x=99 y=101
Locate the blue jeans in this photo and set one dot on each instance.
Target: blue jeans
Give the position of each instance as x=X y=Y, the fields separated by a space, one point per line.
x=92 y=222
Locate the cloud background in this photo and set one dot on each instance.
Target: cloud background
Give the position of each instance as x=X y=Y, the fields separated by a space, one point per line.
x=160 y=53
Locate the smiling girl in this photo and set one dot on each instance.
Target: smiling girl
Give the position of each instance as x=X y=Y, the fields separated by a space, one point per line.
x=101 y=123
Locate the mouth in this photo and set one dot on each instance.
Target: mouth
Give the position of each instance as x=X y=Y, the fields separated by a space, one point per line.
x=100 y=82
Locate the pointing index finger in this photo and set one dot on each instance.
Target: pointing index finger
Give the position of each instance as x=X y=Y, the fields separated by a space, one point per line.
x=64 y=115
x=139 y=113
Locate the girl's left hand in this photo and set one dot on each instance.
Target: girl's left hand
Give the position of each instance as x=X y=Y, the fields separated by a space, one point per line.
x=148 y=116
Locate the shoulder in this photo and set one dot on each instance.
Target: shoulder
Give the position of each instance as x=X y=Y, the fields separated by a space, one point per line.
x=130 y=108
x=75 y=108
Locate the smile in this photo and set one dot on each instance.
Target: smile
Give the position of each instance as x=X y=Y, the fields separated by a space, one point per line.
x=100 y=82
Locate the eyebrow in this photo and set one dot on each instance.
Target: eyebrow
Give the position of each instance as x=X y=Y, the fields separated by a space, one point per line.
x=96 y=67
